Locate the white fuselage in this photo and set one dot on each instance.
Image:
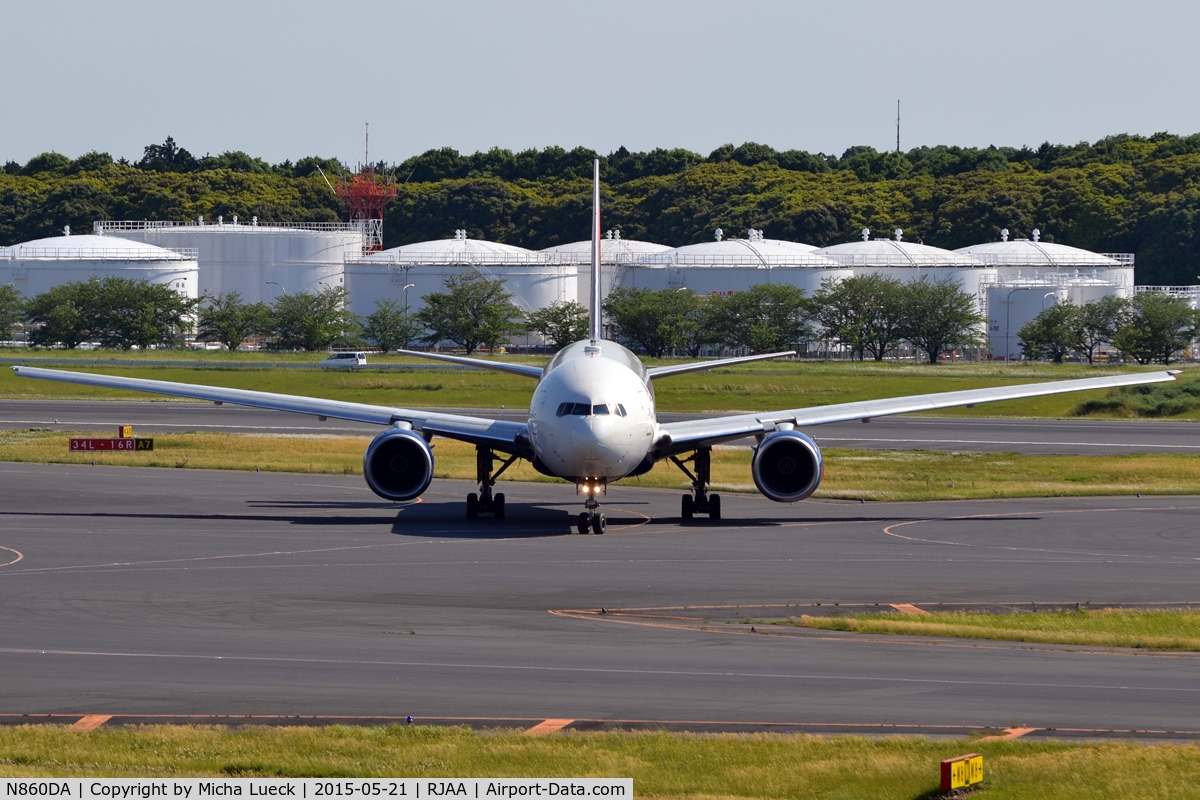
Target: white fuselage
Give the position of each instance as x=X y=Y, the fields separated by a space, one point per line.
x=592 y=415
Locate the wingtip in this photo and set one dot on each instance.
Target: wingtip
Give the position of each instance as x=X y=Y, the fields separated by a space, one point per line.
x=1174 y=372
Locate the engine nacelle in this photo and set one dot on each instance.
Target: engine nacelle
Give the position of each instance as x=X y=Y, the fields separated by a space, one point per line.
x=787 y=466
x=398 y=465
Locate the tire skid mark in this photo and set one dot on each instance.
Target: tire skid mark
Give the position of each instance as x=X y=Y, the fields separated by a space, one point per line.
x=895 y=640
x=889 y=531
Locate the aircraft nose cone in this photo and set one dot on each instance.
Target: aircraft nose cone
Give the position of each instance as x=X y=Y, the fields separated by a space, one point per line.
x=588 y=438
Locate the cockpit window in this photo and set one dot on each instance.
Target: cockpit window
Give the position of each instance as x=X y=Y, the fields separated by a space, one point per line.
x=587 y=409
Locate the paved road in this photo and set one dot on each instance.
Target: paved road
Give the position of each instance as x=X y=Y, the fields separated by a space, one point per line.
x=1082 y=437
x=141 y=591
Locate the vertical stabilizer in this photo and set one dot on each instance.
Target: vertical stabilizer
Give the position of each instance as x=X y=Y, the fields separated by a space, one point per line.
x=595 y=326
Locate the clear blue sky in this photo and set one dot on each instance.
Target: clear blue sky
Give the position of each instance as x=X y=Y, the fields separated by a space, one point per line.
x=285 y=80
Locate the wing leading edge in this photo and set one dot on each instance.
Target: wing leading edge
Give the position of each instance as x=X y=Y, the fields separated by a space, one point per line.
x=509 y=437
x=704 y=432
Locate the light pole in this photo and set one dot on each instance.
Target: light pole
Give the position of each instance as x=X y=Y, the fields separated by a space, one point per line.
x=277 y=283
x=404 y=289
x=1047 y=294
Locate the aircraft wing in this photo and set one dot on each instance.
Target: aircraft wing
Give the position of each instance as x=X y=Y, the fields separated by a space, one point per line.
x=527 y=370
x=509 y=437
x=696 y=366
x=689 y=435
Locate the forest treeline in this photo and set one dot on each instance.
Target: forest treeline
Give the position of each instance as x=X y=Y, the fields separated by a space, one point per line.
x=1123 y=193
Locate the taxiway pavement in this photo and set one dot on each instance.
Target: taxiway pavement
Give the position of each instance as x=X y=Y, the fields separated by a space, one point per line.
x=1067 y=437
x=140 y=591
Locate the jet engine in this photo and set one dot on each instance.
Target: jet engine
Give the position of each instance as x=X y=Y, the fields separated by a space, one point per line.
x=787 y=466
x=398 y=465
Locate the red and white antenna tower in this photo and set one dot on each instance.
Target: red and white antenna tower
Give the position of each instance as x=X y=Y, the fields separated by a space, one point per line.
x=367 y=194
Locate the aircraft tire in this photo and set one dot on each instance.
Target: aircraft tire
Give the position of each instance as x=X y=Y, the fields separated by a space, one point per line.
x=714 y=506
x=585 y=524
x=687 y=507
x=498 y=506
x=599 y=523
x=472 y=505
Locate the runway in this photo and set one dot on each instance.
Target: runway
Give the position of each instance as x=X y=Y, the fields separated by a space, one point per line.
x=141 y=592
x=1067 y=437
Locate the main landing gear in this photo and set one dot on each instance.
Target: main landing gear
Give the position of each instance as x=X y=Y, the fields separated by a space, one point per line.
x=485 y=502
x=702 y=502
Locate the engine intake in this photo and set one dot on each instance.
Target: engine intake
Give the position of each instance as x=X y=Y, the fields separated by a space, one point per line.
x=398 y=465
x=787 y=466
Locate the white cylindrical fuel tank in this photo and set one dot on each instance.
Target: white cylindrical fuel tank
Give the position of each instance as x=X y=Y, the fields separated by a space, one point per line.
x=1030 y=274
x=259 y=261
x=725 y=265
x=408 y=273
x=616 y=256
x=39 y=265
x=907 y=261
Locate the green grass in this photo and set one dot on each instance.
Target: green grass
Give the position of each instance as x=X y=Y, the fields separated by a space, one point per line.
x=661 y=765
x=761 y=386
x=1176 y=400
x=849 y=474
x=1155 y=629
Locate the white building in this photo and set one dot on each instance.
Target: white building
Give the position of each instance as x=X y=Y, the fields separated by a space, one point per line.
x=40 y=265
x=259 y=261
x=1029 y=275
x=405 y=274
x=730 y=265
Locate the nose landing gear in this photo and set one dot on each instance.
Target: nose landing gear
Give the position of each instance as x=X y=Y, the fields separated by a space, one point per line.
x=592 y=520
x=702 y=502
x=485 y=502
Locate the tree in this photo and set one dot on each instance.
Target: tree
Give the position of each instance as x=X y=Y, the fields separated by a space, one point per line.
x=167 y=157
x=766 y=318
x=136 y=313
x=560 y=323
x=1099 y=321
x=939 y=316
x=226 y=319
x=12 y=310
x=1053 y=333
x=117 y=312
x=63 y=315
x=389 y=326
x=472 y=311
x=1158 y=327
x=655 y=322
x=863 y=312
x=312 y=321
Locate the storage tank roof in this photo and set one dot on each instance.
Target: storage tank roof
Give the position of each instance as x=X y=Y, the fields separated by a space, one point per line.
x=882 y=252
x=612 y=249
x=1036 y=253
x=459 y=250
x=754 y=251
x=95 y=248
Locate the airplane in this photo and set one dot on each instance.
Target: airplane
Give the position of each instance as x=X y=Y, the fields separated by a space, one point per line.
x=592 y=422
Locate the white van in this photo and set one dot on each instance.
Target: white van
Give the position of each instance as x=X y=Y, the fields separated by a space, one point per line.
x=344 y=360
